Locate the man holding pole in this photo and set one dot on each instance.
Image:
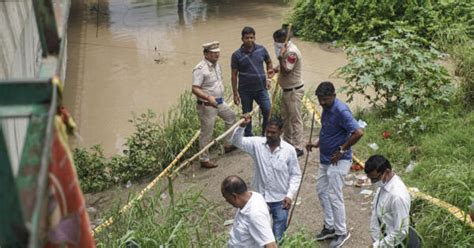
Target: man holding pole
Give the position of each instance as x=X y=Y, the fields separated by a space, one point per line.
x=289 y=79
x=339 y=131
x=209 y=89
x=277 y=173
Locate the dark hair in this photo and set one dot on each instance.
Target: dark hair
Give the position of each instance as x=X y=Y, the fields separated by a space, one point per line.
x=248 y=30
x=280 y=34
x=234 y=185
x=275 y=121
x=325 y=88
x=378 y=163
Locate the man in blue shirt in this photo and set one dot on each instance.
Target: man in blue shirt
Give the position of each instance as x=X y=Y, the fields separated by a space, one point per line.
x=338 y=133
x=249 y=78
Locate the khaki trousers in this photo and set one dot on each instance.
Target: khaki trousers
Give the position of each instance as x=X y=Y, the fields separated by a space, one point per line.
x=291 y=114
x=207 y=117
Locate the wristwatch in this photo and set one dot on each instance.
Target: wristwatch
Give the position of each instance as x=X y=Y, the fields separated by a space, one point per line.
x=342 y=151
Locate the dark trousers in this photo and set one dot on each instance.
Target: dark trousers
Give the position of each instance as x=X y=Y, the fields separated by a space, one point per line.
x=263 y=100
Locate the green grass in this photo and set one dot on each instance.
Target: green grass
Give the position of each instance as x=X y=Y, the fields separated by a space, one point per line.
x=442 y=150
x=187 y=220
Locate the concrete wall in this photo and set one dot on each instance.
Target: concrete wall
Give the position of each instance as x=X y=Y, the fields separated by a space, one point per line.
x=20 y=49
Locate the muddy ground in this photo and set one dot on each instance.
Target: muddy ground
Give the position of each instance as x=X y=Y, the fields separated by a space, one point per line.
x=308 y=213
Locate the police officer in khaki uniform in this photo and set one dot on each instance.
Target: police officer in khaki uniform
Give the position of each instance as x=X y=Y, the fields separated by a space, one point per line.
x=209 y=90
x=289 y=79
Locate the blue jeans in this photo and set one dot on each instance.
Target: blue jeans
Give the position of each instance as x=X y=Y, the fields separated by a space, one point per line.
x=263 y=100
x=280 y=217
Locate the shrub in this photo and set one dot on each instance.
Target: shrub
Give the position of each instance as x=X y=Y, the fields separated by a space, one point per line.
x=403 y=75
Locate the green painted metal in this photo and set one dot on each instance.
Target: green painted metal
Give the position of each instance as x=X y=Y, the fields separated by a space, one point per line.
x=12 y=228
x=26 y=202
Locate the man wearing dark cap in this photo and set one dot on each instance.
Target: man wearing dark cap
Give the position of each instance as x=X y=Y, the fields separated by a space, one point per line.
x=339 y=132
x=249 y=78
x=252 y=223
x=209 y=89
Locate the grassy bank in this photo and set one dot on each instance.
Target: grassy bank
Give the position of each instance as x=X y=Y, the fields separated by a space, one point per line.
x=440 y=143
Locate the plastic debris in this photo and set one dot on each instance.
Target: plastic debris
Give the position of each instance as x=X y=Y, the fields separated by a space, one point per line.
x=91 y=209
x=228 y=222
x=362 y=124
x=367 y=192
x=386 y=134
x=411 y=166
x=349 y=183
x=298 y=202
x=129 y=184
x=163 y=195
x=362 y=180
x=374 y=146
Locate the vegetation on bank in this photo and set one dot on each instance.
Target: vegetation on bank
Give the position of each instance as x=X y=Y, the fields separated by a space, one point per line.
x=154 y=144
x=418 y=115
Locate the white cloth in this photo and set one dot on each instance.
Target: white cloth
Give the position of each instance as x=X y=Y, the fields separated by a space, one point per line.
x=329 y=186
x=252 y=224
x=393 y=210
x=277 y=174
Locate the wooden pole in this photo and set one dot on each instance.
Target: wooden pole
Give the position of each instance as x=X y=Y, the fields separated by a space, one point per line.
x=302 y=175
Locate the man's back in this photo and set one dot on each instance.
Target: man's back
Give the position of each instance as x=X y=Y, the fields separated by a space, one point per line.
x=252 y=224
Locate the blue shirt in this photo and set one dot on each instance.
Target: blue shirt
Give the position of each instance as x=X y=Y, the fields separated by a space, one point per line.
x=249 y=64
x=337 y=126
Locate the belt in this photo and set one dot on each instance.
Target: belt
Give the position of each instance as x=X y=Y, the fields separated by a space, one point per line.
x=218 y=100
x=295 y=88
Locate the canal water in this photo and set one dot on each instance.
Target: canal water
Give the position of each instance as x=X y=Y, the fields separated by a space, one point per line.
x=128 y=56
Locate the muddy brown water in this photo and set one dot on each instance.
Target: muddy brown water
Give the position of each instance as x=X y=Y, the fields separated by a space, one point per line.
x=113 y=68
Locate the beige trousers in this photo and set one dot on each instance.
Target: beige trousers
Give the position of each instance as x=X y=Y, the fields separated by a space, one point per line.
x=292 y=120
x=207 y=117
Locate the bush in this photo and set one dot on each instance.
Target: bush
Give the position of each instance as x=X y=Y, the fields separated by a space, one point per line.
x=403 y=75
x=153 y=145
x=358 y=20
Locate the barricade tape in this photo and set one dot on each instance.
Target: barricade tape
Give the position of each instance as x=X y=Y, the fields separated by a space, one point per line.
x=167 y=170
x=455 y=211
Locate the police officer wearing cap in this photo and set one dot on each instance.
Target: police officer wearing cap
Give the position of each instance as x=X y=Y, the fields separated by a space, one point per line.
x=209 y=90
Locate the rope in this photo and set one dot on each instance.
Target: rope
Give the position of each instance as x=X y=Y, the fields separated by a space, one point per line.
x=125 y=208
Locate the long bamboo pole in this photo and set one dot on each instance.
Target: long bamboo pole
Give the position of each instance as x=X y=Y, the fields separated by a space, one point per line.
x=213 y=142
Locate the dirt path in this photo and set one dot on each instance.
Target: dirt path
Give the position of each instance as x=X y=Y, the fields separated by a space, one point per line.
x=308 y=214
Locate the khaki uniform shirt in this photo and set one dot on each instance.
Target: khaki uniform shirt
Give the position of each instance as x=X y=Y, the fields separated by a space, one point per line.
x=209 y=78
x=294 y=63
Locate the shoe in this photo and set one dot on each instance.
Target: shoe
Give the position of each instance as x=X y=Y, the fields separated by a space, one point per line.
x=326 y=234
x=229 y=148
x=339 y=240
x=208 y=164
x=299 y=152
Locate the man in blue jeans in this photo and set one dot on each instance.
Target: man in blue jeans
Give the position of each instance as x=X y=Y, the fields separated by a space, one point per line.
x=277 y=173
x=249 y=78
x=339 y=132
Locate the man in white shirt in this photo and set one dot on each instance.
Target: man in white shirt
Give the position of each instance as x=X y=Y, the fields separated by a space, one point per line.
x=252 y=222
x=391 y=207
x=277 y=173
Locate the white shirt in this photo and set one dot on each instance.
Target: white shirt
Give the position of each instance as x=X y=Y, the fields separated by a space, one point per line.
x=252 y=224
x=393 y=211
x=277 y=174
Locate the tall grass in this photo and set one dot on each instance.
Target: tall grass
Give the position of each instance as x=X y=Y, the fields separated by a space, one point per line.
x=187 y=220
